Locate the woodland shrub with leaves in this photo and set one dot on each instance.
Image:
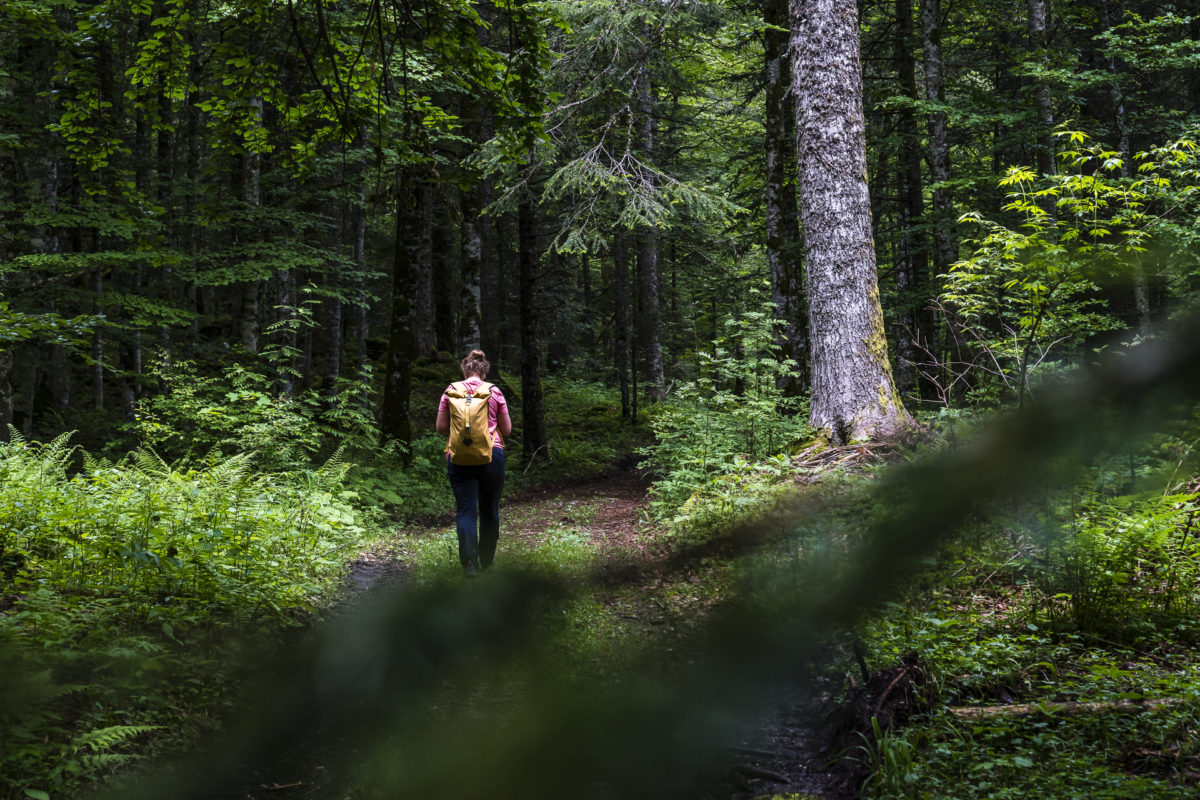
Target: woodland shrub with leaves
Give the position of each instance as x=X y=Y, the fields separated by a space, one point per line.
x=117 y=578
x=1085 y=594
x=244 y=410
x=1033 y=292
x=730 y=427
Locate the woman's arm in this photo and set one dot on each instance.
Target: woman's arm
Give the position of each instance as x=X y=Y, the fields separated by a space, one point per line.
x=443 y=421
x=503 y=424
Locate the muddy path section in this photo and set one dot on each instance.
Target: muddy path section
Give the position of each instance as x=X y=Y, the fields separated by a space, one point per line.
x=789 y=756
x=609 y=510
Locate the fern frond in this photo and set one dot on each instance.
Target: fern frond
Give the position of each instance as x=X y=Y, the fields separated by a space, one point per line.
x=59 y=451
x=102 y=739
x=15 y=436
x=108 y=761
x=150 y=463
x=334 y=470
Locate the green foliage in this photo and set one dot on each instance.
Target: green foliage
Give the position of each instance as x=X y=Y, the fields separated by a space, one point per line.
x=114 y=573
x=1085 y=595
x=1030 y=293
x=584 y=426
x=170 y=542
x=244 y=411
x=731 y=422
x=16 y=326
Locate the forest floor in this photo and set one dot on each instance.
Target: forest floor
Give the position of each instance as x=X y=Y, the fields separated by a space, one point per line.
x=652 y=594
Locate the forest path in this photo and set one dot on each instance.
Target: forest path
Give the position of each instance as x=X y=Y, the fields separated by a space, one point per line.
x=786 y=757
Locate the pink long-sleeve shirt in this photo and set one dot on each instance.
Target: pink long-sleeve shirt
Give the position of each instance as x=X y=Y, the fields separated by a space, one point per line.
x=497 y=406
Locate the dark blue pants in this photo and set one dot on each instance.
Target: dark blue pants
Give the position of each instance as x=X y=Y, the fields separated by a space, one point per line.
x=477 y=498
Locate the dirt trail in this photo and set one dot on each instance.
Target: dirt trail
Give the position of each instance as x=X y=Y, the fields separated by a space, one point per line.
x=787 y=758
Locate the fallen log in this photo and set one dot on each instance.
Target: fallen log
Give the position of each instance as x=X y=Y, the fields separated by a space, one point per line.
x=1071 y=707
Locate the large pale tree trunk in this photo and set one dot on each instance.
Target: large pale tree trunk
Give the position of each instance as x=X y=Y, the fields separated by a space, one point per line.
x=853 y=394
x=782 y=225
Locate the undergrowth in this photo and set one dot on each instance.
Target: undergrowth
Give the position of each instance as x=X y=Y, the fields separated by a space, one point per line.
x=1057 y=636
x=119 y=582
x=724 y=439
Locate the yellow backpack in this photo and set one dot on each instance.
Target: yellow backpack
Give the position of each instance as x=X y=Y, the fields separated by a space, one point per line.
x=470 y=442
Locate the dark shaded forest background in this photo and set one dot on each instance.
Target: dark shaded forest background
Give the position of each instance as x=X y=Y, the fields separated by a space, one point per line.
x=314 y=197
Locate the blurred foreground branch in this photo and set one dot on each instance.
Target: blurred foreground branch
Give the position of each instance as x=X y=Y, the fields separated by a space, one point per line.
x=373 y=689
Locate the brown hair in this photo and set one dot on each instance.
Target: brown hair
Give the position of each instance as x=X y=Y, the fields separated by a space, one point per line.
x=475 y=363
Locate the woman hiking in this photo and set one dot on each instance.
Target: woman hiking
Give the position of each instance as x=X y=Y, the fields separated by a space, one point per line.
x=475 y=459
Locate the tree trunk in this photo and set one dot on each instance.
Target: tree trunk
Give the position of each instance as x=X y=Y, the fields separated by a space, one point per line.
x=59 y=377
x=491 y=309
x=496 y=313
x=360 y=321
x=1141 y=288
x=585 y=283
x=285 y=298
x=649 y=321
x=446 y=282
x=424 y=275
x=6 y=391
x=941 y=218
x=533 y=412
x=782 y=224
x=650 y=318
x=1045 y=109
x=97 y=343
x=853 y=394
x=394 y=423
x=472 y=257
x=331 y=307
x=621 y=317
x=913 y=340
x=248 y=315
x=945 y=249
x=248 y=325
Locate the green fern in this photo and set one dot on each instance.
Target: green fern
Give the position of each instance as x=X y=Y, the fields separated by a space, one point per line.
x=151 y=464
x=15 y=437
x=104 y=739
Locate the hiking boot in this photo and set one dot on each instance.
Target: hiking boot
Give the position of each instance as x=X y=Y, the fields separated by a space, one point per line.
x=471 y=569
